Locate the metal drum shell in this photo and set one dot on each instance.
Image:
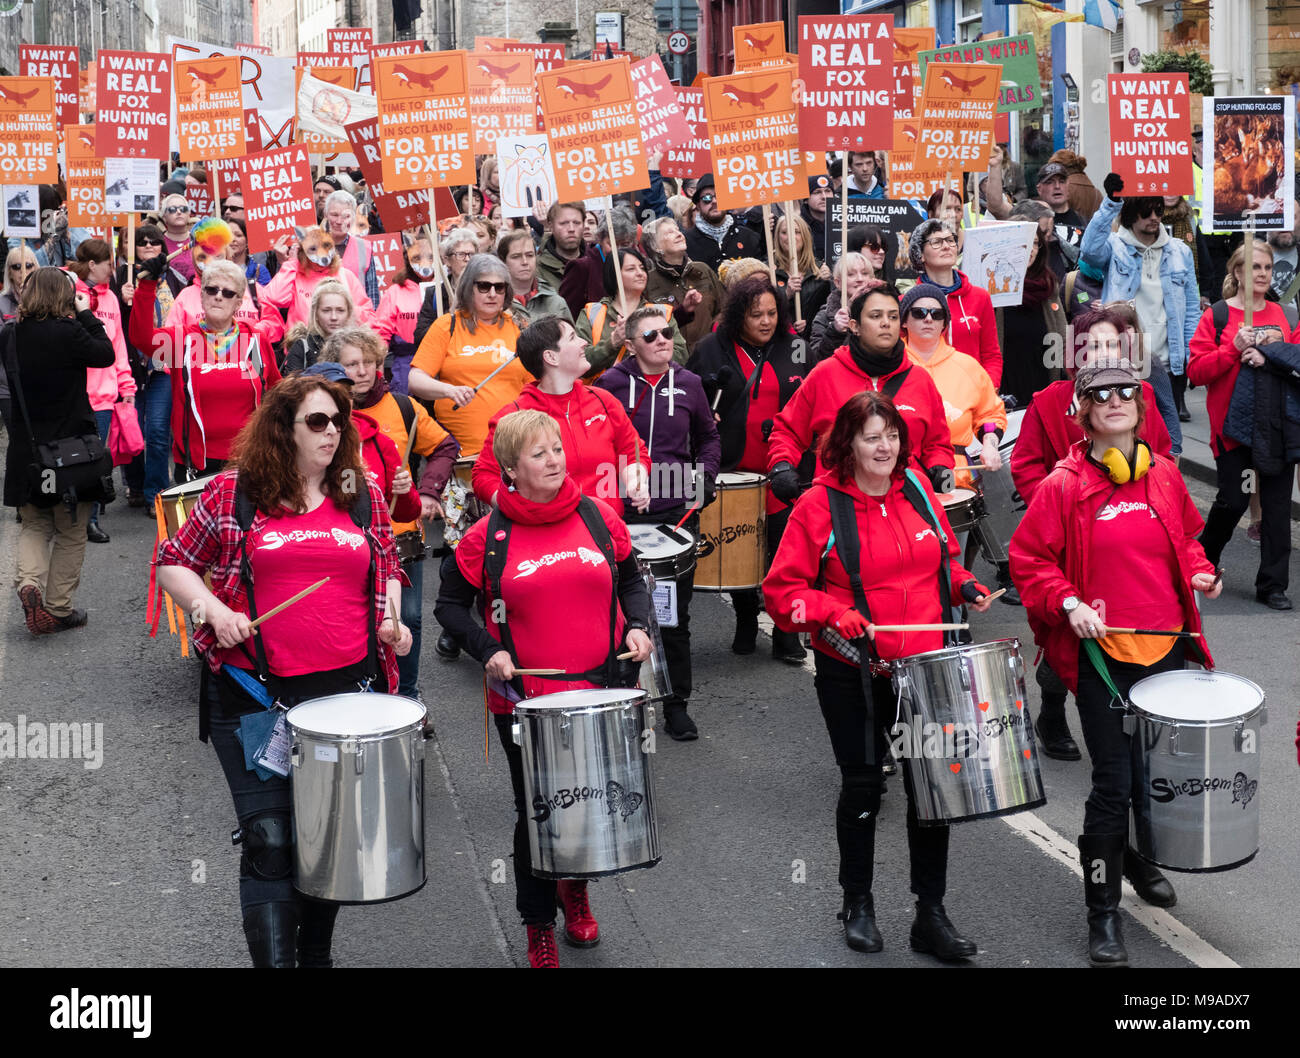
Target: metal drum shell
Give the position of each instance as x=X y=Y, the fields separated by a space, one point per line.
x=588 y=782
x=738 y=512
x=666 y=566
x=1189 y=828
x=993 y=770
x=963 y=508
x=358 y=807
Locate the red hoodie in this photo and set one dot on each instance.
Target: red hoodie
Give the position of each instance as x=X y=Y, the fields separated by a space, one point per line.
x=974 y=328
x=552 y=560
x=807 y=420
x=383 y=460
x=598 y=440
x=900 y=563
x=1048 y=431
x=1051 y=551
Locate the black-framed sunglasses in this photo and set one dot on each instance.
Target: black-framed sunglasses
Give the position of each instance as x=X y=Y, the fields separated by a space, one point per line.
x=148 y=242
x=662 y=332
x=920 y=312
x=484 y=287
x=1101 y=395
x=317 y=421
x=177 y=209
x=221 y=292
x=708 y=197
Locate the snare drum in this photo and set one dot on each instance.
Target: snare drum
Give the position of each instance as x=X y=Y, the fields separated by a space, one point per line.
x=589 y=782
x=969 y=746
x=411 y=546
x=733 y=535
x=1195 y=740
x=963 y=507
x=177 y=502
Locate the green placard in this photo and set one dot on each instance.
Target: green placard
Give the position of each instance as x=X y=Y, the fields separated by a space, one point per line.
x=1019 y=64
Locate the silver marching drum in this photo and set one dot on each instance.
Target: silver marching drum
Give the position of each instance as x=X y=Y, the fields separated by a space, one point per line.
x=968 y=742
x=1196 y=755
x=664 y=554
x=358 y=797
x=589 y=781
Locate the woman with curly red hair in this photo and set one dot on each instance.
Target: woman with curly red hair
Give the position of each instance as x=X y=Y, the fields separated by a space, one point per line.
x=297 y=501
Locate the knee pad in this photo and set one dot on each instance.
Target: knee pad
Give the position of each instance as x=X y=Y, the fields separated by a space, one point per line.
x=268 y=847
x=859 y=795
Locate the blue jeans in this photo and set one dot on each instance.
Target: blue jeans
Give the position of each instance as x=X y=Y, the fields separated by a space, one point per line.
x=149 y=471
x=408 y=668
x=1162 y=383
x=103 y=421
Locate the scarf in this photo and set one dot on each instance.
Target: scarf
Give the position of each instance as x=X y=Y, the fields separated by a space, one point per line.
x=524 y=511
x=377 y=392
x=219 y=343
x=957 y=278
x=716 y=232
x=874 y=364
x=1038 y=288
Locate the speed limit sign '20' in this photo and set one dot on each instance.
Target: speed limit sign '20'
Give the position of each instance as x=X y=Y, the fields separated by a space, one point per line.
x=679 y=43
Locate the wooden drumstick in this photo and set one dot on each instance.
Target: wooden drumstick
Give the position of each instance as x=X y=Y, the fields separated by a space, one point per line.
x=920 y=628
x=406 y=464
x=1152 y=632
x=392 y=612
x=539 y=672
x=994 y=595
x=627 y=656
x=287 y=603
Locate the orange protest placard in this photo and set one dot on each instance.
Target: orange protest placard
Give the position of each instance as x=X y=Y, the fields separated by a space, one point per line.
x=501 y=97
x=955 y=123
x=904 y=182
x=85 y=180
x=909 y=41
x=754 y=137
x=760 y=44
x=424 y=124
x=210 y=108
x=493 y=43
x=592 y=124
x=29 y=133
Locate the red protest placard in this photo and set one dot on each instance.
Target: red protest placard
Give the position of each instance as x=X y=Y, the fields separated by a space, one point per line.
x=846 y=64
x=398 y=210
x=759 y=44
x=348 y=40
x=956 y=118
x=754 y=134
x=85 y=180
x=389 y=254
x=209 y=108
x=397 y=47
x=133 y=102
x=1151 y=133
x=909 y=41
x=199 y=196
x=690 y=157
x=424 y=125
x=502 y=100
x=662 y=122
x=592 y=126
x=60 y=62
x=277 y=194
x=29 y=131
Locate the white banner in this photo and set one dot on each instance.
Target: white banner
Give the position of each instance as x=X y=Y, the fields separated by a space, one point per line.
x=323 y=108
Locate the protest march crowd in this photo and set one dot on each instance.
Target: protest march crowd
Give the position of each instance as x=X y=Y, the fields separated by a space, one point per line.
x=620 y=361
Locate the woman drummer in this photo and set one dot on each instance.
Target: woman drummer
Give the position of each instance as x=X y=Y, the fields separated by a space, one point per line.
x=297 y=502
x=908 y=561
x=1113 y=524
x=580 y=557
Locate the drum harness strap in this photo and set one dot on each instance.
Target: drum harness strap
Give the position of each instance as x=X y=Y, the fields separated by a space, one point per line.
x=845 y=540
x=494 y=567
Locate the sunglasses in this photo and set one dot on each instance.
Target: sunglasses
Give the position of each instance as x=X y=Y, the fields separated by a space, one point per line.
x=708 y=197
x=484 y=287
x=649 y=336
x=1101 y=395
x=317 y=421
x=919 y=312
x=177 y=209
x=148 y=242
x=22 y=266
x=221 y=292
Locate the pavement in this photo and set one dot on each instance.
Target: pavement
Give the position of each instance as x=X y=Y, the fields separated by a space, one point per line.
x=130 y=863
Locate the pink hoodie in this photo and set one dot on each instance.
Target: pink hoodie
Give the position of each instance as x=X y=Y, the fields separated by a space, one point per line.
x=187 y=310
x=105 y=384
x=291 y=289
x=398 y=309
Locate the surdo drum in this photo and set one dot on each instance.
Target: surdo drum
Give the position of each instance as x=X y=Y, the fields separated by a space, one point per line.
x=1195 y=740
x=732 y=552
x=588 y=781
x=967 y=739
x=177 y=502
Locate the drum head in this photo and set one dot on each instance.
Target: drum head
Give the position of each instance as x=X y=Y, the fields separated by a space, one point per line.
x=651 y=542
x=1193 y=697
x=592 y=698
x=355 y=715
x=187 y=488
x=956 y=496
x=739 y=479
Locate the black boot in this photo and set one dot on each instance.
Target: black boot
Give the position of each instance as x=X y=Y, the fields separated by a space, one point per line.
x=1151 y=885
x=95 y=534
x=746 y=638
x=316 y=933
x=447 y=647
x=272 y=932
x=1054 y=737
x=1011 y=596
x=859 y=918
x=935 y=935
x=788 y=647
x=1102 y=858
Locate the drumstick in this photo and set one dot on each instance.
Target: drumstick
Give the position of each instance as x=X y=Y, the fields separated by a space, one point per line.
x=627 y=656
x=406 y=462
x=539 y=672
x=494 y=374
x=1152 y=632
x=689 y=512
x=990 y=598
x=287 y=603
x=716 y=397
x=921 y=628
x=392 y=612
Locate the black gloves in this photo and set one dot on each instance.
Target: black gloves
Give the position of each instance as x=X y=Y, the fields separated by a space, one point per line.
x=1113 y=185
x=970 y=591
x=153 y=268
x=785 y=483
x=942 y=479
x=710 y=489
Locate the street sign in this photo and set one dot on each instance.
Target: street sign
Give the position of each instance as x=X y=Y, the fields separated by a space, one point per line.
x=679 y=43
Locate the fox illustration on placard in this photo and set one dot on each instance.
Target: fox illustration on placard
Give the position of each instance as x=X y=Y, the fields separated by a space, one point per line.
x=416 y=79
x=528 y=179
x=962 y=84
x=574 y=88
x=739 y=95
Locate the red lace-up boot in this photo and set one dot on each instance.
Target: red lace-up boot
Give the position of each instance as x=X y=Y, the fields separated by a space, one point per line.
x=580 y=928
x=541 y=947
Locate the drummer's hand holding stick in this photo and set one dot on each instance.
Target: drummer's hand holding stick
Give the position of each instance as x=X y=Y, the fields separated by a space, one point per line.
x=500 y=666
x=1086 y=623
x=1209 y=585
x=784 y=482
x=852 y=625
x=638 y=646
x=636 y=482
x=190 y=593
x=391 y=629
x=990 y=457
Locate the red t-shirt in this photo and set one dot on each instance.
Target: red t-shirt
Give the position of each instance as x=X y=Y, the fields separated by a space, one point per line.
x=293 y=551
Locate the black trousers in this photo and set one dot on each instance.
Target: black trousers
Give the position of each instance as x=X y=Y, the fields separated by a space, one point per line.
x=534 y=897
x=1234 y=470
x=839 y=693
x=677 y=641
x=1114 y=776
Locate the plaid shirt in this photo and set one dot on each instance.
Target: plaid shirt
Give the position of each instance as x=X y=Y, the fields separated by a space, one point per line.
x=209 y=542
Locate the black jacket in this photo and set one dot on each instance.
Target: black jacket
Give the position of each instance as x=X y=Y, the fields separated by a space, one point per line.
x=1264 y=412
x=53 y=355
x=738 y=242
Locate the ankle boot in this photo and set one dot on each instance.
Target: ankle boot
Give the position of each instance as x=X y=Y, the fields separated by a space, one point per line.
x=859 y=918
x=580 y=927
x=788 y=647
x=1151 y=885
x=1102 y=858
x=934 y=934
x=316 y=934
x=272 y=932
x=541 y=947
x=746 y=638
x=1054 y=737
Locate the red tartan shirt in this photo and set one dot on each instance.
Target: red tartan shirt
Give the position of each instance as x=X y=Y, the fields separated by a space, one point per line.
x=209 y=541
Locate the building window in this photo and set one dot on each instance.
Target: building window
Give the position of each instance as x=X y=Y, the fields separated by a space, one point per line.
x=970 y=20
x=1185 y=26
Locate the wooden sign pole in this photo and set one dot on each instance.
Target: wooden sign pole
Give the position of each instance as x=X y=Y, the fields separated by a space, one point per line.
x=767 y=241
x=1248 y=275
x=791 y=250
x=613 y=243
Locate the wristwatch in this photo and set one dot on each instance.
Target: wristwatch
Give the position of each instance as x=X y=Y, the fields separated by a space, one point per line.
x=1069 y=604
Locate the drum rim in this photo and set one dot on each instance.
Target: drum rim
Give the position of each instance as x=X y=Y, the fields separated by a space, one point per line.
x=733 y=480
x=679 y=547
x=1219 y=721
x=554 y=876
x=186 y=488
x=529 y=706
x=961 y=650
x=333 y=736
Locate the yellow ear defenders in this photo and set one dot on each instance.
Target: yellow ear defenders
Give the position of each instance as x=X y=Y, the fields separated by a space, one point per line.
x=1120 y=469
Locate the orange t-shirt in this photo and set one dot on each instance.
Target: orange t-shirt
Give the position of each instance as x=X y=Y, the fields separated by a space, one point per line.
x=466 y=359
